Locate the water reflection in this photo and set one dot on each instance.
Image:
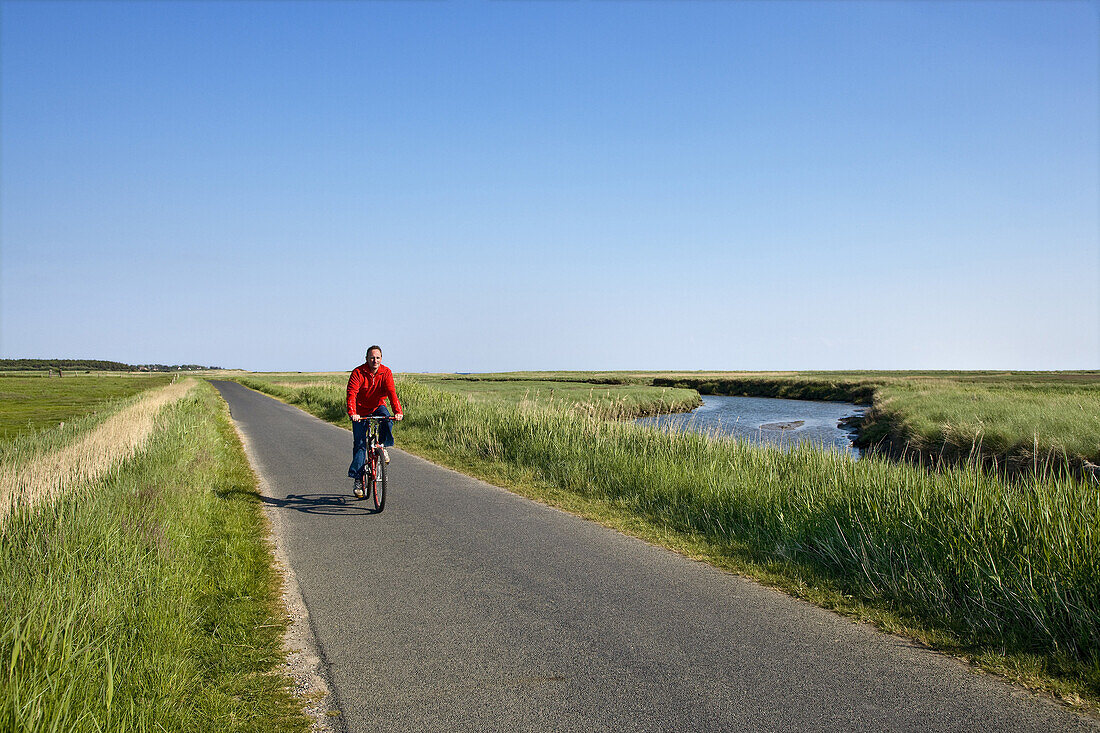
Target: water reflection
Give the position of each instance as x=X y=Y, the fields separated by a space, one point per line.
x=767 y=420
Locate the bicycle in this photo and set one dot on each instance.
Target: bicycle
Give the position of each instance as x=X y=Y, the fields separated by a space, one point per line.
x=374 y=470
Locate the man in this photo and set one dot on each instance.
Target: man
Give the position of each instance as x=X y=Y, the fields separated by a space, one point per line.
x=368 y=387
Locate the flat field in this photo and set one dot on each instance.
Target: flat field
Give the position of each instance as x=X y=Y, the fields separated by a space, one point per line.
x=32 y=403
x=1020 y=420
x=610 y=399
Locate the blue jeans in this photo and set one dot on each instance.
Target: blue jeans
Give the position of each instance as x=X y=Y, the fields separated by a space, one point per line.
x=359 y=440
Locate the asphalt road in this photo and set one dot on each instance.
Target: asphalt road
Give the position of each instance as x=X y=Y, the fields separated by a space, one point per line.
x=463 y=607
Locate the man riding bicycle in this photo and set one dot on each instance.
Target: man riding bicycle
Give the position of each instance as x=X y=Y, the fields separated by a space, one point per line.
x=368 y=387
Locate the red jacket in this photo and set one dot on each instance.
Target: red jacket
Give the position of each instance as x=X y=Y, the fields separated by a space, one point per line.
x=366 y=392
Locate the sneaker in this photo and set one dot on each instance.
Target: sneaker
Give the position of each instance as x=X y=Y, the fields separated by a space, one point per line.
x=359 y=488
x=385 y=456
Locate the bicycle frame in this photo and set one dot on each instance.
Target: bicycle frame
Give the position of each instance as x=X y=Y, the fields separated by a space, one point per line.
x=374 y=470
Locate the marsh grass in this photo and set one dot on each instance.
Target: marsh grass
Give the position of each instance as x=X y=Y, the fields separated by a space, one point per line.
x=1044 y=422
x=1004 y=572
x=614 y=401
x=29 y=404
x=1033 y=423
x=146 y=600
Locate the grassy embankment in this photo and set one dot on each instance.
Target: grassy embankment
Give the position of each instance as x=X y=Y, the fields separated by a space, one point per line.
x=144 y=598
x=1004 y=572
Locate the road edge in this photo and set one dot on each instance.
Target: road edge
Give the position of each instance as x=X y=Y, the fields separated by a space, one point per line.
x=303 y=653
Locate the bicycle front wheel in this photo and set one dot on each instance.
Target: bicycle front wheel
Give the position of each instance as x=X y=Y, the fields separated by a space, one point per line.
x=378 y=488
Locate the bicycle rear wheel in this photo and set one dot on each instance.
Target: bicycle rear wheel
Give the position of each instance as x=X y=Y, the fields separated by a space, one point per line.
x=378 y=485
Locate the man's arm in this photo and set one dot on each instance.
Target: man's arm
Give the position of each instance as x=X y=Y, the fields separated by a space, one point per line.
x=354 y=382
x=392 y=390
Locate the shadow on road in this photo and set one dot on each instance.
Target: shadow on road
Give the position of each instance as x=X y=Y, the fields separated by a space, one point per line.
x=334 y=504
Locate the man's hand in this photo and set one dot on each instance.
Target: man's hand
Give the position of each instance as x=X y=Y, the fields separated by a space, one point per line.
x=355 y=417
x=398 y=416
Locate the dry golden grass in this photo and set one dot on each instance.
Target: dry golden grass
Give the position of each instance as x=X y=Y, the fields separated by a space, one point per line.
x=45 y=476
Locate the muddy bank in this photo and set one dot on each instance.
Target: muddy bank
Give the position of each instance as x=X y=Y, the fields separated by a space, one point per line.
x=859 y=393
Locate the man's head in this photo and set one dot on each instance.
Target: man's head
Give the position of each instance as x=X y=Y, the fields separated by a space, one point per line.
x=374 y=358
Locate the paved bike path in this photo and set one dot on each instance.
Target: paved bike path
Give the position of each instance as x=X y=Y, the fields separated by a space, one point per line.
x=463 y=607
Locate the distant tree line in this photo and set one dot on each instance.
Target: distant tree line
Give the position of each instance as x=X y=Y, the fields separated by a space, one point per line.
x=94 y=365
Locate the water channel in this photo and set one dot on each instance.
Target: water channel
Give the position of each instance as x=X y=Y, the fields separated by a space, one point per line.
x=766 y=420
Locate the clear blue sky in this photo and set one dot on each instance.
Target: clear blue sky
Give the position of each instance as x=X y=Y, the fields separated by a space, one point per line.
x=483 y=186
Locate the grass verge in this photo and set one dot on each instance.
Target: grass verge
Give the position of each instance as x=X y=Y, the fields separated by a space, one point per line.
x=1005 y=573
x=147 y=600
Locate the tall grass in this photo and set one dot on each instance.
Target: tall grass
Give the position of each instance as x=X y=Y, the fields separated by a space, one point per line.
x=1003 y=567
x=145 y=600
x=324 y=397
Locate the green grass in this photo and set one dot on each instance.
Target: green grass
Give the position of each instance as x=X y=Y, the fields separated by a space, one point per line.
x=147 y=601
x=617 y=400
x=1004 y=572
x=1010 y=421
x=29 y=404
